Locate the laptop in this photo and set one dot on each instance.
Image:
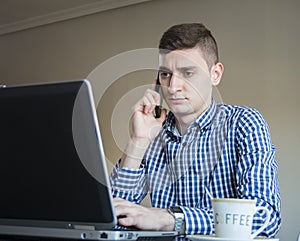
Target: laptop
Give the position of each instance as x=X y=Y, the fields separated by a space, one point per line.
x=53 y=175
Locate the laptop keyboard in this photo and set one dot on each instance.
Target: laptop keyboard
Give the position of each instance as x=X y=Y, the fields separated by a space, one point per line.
x=124 y=228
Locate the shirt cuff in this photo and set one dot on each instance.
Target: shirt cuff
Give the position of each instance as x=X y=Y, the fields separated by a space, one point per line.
x=125 y=179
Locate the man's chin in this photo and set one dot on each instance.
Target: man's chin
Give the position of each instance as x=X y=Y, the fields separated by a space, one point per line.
x=181 y=111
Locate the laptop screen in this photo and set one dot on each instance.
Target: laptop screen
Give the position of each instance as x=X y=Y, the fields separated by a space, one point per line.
x=47 y=153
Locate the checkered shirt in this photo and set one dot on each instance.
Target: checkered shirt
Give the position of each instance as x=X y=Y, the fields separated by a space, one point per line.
x=226 y=151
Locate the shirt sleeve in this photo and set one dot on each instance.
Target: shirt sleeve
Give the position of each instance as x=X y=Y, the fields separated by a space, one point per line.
x=198 y=220
x=257 y=171
x=256 y=178
x=129 y=184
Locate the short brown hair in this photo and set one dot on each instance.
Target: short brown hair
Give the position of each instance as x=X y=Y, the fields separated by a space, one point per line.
x=190 y=35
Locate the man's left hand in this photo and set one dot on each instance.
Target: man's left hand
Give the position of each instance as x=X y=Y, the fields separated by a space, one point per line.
x=130 y=214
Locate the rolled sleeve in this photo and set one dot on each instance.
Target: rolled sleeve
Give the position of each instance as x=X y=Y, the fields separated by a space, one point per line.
x=129 y=184
x=257 y=173
x=198 y=220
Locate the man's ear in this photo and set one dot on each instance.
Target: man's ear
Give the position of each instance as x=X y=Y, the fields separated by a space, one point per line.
x=216 y=73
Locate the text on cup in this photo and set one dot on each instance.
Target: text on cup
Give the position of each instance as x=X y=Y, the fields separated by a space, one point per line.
x=233 y=218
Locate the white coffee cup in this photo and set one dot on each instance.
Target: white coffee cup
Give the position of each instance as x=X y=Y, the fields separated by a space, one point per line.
x=233 y=218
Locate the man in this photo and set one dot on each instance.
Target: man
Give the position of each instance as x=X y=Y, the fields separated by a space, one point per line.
x=200 y=148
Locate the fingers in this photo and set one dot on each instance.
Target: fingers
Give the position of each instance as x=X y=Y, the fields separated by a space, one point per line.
x=125 y=211
x=122 y=207
x=127 y=221
x=148 y=102
x=130 y=214
x=151 y=99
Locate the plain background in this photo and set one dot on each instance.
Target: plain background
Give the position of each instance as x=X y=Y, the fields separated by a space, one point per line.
x=259 y=46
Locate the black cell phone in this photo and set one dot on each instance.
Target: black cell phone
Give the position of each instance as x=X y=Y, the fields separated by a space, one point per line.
x=157 y=109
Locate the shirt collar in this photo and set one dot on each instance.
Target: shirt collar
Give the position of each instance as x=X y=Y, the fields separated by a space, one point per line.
x=206 y=118
x=203 y=121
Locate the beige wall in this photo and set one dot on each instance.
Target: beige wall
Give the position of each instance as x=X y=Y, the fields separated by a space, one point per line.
x=259 y=46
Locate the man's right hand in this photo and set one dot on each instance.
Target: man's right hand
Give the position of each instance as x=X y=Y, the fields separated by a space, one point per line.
x=145 y=127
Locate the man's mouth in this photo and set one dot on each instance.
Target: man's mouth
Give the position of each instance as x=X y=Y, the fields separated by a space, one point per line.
x=177 y=99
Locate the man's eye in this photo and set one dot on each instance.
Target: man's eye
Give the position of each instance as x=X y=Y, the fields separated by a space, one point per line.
x=188 y=74
x=165 y=75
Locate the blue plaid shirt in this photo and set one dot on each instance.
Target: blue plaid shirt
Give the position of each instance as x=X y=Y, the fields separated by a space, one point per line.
x=227 y=150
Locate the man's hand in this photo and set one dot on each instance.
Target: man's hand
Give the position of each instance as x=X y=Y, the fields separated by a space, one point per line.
x=130 y=214
x=145 y=127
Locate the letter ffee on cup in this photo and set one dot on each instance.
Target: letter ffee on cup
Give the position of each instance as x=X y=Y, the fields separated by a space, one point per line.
x=233 y=218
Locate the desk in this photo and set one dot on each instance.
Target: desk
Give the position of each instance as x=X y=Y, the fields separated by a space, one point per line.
x=3 y=238
x=140 y=239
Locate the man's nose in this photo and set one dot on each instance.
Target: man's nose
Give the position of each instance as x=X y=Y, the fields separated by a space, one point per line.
x=176 y=83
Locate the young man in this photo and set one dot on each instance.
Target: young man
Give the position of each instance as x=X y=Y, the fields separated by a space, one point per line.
x=200 y=148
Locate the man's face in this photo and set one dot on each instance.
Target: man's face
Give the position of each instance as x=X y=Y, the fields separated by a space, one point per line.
x=186 y=82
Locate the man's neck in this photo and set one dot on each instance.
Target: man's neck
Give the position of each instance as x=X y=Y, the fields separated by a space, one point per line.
x=184 y=121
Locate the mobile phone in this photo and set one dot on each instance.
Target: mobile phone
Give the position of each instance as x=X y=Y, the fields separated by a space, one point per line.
x=157 y=110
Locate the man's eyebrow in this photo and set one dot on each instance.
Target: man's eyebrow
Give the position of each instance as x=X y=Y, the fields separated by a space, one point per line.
x=164 y=69
x=182 y=69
